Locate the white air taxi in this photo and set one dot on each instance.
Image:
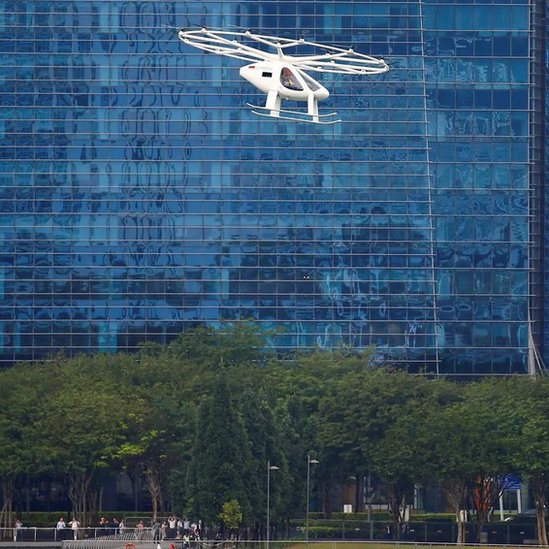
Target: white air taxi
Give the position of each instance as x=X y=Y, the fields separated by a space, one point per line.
x=283 y=76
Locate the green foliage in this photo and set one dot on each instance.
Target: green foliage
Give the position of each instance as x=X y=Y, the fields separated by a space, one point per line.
x=200 y=418
x=221 y=456
x=326 y=532
x=231 y=514
x=21 y=398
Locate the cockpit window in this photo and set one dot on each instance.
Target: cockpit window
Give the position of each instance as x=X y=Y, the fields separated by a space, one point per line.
x=289 y=80
x=313 y=84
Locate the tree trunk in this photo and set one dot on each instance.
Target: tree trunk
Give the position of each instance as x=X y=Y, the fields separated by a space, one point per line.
x=79 y=496
x=163 y=504
x=486 y=492
x=540 y=522
x=397 y=504
x=326 y=500
x=358 y=493
x=134 y=479
x=154 y=487
x=6 y=513
x=456 y=492
x=92 y=506
x=538 y=488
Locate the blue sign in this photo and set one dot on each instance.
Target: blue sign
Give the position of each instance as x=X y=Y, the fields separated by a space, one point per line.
x=511 y=483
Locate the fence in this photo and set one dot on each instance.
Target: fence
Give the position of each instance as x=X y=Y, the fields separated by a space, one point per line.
x=234 y=544
x=495 y=533
x=52 y=534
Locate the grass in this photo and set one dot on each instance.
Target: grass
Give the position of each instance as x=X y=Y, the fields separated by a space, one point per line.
x=393 y=545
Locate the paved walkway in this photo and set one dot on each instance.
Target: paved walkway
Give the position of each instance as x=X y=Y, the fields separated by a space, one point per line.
x=24 y=544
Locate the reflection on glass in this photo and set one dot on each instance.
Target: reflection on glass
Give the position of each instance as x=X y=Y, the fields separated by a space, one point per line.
x=139 y=196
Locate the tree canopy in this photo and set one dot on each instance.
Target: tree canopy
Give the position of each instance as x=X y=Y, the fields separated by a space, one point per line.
x=200 y=418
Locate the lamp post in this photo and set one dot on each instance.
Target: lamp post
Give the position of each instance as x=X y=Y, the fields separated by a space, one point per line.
x=269 y=469
x=309 y=463
x=369 y=492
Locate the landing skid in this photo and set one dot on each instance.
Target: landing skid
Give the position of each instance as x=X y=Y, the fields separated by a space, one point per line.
x=298 y=116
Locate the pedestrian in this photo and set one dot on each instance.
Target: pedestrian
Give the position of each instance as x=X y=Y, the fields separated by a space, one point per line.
x=17 y=530
x=103 y=526
x=60 y=529
x=156 y=528
x=140 y=530
x=172 y=525
x=74 y=524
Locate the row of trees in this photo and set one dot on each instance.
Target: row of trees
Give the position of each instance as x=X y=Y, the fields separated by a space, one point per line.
x=200 y=418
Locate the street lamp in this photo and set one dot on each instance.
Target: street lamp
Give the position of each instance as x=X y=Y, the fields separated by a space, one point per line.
x=269 y=469
x=309 y=463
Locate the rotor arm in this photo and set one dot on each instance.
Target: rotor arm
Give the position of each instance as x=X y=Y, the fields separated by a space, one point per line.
x=241 y=46
x=343 y=55
x=290 y=44
x=228 y=53
x=212 y=48
x=215 y=42
x=345 y=62
x=337 y=68
x=232 y=44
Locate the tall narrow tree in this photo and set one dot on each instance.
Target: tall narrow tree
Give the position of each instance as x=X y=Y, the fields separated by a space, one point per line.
x=220 y=462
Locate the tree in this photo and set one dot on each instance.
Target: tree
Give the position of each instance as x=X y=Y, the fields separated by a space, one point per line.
x=231 y=517
x=265 y=442
x=317 y=391
x=83 y=424
x=220 y=462
x=159 y=447
x=354 y=417
x=528 y=404
x=236 y=344
x=21 y=397
x=492 y=433
x=399 y=405
x=471 y=440
x=452 y=436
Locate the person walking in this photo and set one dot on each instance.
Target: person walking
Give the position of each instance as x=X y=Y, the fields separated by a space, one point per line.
x=17 y=530
x=157 y=529
x=140 y=530
x=60 y=529
x=74 y=524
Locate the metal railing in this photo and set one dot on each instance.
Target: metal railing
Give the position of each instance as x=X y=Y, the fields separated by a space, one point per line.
x=497 y=533
x=53 y=534
x=426 y=531
x=287 y=544
x=414 y=532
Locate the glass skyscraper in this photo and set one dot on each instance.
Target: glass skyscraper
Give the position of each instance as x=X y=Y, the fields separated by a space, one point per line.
x=140 y=196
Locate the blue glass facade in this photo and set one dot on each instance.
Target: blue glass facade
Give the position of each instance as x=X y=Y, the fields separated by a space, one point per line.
x=479 y=80
x=139 y=195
